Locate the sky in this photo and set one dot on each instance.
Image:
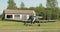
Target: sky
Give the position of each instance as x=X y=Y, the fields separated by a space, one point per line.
x=28 y=3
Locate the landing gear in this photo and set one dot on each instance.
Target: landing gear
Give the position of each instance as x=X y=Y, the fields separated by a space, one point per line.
x=38 y=24
x=31 y=23
x=28 y=23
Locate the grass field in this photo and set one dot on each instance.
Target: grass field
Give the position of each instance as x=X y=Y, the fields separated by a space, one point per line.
x=13 y=25
x=19 y=25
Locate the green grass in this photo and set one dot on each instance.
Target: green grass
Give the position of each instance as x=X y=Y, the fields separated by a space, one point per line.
x=50 y=31
x=12 y=25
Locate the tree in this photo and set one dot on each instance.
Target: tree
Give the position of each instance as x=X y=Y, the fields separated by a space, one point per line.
x=58 y=12
x=11 y=4
x=40 y=11
x=22 y=6
x=52 y=5
x=31 y=8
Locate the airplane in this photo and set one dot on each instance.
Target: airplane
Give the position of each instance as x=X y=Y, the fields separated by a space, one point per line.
x=36 y=19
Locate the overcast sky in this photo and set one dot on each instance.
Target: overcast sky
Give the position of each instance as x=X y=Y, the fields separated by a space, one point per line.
x=28 y=3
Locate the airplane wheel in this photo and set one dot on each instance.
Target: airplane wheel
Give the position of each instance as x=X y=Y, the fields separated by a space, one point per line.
x=38 y=24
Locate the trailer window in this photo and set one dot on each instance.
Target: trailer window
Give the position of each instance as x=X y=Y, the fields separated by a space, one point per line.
x=17 y=15
x=9 y=16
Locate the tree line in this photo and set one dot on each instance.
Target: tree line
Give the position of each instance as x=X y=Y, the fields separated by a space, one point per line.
x=50 y=12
